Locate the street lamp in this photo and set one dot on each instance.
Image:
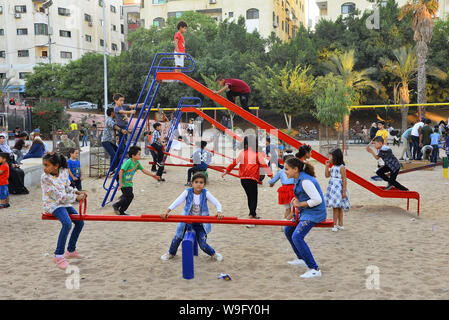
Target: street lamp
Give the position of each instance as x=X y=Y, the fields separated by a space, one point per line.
x=47 y=6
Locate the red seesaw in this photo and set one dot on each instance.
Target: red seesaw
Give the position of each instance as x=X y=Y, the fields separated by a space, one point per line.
x=328 y=223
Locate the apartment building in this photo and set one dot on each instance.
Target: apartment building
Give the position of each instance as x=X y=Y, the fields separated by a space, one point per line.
x=332 y=9
x=57 y=31
x=132 y=22
x=283 y=17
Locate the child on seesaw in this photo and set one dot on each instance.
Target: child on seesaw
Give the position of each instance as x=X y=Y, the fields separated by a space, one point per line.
x=57 y=198
x=195 y=199
x=391 y=163
x=126 y=175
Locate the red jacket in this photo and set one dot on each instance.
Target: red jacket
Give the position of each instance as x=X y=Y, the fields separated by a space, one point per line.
x=250 y=163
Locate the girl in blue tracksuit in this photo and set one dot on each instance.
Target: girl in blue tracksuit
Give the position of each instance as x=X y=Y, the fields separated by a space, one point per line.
x=195 y=199
x=312 y=210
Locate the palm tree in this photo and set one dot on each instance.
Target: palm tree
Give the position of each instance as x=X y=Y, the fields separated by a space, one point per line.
x=342 y=65
x=422 y=13
x=405 y=68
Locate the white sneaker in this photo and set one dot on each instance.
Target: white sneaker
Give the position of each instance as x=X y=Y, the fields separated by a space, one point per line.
x=335 y=229
x=218 y=257
x=341 y=228
x=297 y=262
x=311 y=273
x=167 y=256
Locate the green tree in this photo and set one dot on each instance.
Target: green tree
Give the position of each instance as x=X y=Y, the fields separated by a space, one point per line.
x=288 y=91
x=48 y=114
x=44 y=81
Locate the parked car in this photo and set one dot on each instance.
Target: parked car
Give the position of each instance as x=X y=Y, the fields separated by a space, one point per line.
x=83 y=105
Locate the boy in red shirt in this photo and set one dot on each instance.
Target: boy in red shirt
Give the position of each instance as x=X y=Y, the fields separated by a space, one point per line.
x=4 y=176
x=237 y=88
x=180 y=44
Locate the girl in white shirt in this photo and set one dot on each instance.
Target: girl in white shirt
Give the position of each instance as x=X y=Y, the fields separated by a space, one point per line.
x=195 y=199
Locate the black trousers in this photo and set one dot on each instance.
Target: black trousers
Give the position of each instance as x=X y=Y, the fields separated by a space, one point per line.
x=191 y=171
x=250 y=187
x=76 y=184
x=125 y=200
x=244 y=98
x=390 y=179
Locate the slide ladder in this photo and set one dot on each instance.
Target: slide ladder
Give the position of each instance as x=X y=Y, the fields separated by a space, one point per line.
x=159 y=64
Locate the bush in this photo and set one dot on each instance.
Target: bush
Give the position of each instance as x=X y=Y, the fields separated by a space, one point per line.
x=49 y=114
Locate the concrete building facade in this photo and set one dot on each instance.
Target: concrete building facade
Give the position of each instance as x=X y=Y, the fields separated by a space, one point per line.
x=283 y=17
x=74 y=27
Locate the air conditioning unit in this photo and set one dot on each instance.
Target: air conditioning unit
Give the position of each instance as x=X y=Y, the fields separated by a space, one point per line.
x=90 y=24
x=212 y=1
x=17 y=15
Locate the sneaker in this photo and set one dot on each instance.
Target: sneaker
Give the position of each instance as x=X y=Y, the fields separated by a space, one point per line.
x=218 y=257
x=335 y=229
x=72 y=255
x=161 y=180
x=61 y=263
x=167 y=256
x=116 y=210
x=297 y=262
x=123 y=214
x=111 y=174
x=388 y=187
x=311 y=273
x=341 y=228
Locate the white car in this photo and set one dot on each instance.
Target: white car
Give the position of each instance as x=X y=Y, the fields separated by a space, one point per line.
x=83 y=105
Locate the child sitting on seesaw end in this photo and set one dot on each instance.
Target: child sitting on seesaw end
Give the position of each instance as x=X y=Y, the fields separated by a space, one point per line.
x=195 y=199
x=285 y=191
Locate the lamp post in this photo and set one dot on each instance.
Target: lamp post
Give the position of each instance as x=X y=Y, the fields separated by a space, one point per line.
x=47 y=6
x=105 y=62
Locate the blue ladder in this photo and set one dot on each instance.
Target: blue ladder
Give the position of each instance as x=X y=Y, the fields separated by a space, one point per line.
x=156 y=66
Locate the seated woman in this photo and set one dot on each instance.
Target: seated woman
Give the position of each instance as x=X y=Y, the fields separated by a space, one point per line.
x=17 y=150
x=37 y=149
x=16 y=175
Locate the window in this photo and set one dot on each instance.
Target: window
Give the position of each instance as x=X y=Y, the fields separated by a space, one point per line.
x=64 y=12
x=252 y=14
x=88 y=38
x=101 y=22
x=22 y=32
x=2 y=32
x=113 y=27
x=100 y=3
x=2 y=54
x=159 y=22
x=66 y=55
x=23 y=53
x=65 y=33
x=102 y=42
x=123 y=46
x=2 y=75
x=23 y=75
x=40 y=29
x=231 y=14
x=348 y=7
x=158 y=1
x=20 y=9
x=87 y=17
x=176 y=14
x=122 y=28
x=1 y=9
x=114 y=47
x=282 y=25
x=113 y=9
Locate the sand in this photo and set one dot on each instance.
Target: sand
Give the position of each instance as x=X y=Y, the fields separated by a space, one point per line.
x=122 y=259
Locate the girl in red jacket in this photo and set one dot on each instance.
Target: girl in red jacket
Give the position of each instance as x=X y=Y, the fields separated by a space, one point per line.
x=249 y=171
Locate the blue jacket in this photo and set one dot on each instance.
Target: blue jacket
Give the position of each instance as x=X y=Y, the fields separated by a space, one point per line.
x=284 y=180
x=186 y=211
x=315 y=214
x=36 y=151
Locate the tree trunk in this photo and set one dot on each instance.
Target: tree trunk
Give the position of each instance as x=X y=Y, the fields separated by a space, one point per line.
x=404 y=98
x=421 y=53
x=288 y=120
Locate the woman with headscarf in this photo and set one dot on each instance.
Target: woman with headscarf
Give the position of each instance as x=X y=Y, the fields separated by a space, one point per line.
x=16 y=175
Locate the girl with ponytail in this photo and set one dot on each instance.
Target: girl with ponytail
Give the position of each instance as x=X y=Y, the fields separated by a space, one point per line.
x=57 y=198
x=309 y=200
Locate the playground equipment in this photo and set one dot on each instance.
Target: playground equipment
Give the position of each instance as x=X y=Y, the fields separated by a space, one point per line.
x=161 y=73
x=445 y=165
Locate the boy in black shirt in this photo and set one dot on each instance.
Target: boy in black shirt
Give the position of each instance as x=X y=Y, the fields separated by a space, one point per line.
x=392 y=164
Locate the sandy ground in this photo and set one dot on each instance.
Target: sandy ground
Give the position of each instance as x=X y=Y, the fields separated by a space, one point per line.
x=122 y=259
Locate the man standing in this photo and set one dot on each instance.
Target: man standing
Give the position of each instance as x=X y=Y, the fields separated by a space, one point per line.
x=416 y=132
x=424 y=138
x=235 y=88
